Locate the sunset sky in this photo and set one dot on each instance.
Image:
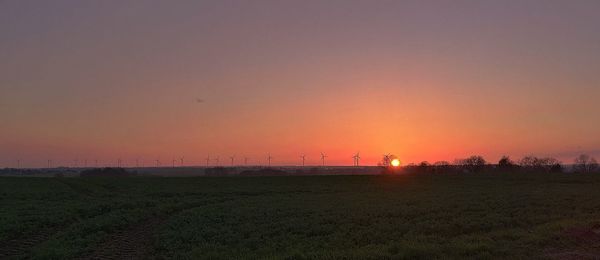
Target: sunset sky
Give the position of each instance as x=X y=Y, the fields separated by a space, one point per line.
x=424 y=80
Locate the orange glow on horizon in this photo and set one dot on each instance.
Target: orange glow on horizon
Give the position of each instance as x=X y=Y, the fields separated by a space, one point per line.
x=440 y=85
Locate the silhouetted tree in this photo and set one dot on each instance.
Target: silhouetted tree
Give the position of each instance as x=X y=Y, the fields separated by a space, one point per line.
x=506 y=164
x=442 y=167
x=557 y=167
x=387 y=159
x=424 y=167
x=441 y=163
x=552 y=164
x=546 y=164
x=528 y=161
x=475 y=163
x=585 y=163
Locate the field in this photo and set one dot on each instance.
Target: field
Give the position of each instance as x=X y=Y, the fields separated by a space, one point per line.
x=302 y=217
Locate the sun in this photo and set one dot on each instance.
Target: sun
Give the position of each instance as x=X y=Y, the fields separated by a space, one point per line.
x=395 y=162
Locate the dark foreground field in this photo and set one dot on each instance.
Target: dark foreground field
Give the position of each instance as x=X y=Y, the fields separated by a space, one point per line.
x=357 y=217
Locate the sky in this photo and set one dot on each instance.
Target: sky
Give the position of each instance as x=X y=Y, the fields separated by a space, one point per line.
x=424 y=80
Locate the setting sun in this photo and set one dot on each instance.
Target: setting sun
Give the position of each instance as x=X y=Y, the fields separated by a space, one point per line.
x=395 y=162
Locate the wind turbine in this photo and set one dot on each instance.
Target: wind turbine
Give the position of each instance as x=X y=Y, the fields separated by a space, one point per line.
x=269 y=157
x=323 y=156
x=246 y=161
x=49 y=162
x=356 y=158
x=119 y=162
x=217 y=160
x=173 y=163
x=181 y=159
x=303 y=156
x=207 y=160
x=232 y=158
x=157 y=163
x=18 y=163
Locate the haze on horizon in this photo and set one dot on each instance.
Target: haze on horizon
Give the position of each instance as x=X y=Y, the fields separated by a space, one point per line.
x=424 y=80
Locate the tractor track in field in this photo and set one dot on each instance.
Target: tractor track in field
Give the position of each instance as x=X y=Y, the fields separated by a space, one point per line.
x=136 y=241
x=22 y=246
x=132 y=243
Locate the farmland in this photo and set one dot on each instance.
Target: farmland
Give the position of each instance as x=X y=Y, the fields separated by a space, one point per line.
x=550 y=215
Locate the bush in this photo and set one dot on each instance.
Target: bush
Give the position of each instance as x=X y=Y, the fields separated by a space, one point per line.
x=107 y=172
x=264 y=172
x=217 y=171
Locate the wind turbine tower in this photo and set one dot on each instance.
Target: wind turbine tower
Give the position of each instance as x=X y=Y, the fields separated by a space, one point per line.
x=303 y=156
x=207 y=160
x=232 y=158
x=356 y=158
x=323 y=156
x=269 y=158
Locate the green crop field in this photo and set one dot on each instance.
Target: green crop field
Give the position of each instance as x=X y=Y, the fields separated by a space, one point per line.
x=308 y=217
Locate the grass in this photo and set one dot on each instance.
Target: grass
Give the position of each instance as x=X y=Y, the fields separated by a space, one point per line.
x=308 y=217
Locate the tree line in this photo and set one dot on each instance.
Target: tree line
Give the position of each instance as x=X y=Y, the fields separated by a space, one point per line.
x=476 y=163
